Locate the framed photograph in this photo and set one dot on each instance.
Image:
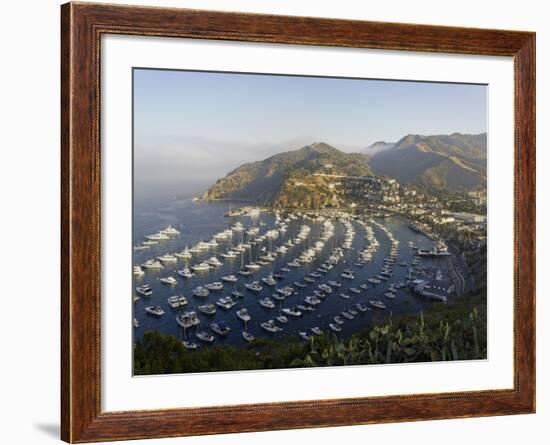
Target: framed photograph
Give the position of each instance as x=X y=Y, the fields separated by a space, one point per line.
x=276 y=222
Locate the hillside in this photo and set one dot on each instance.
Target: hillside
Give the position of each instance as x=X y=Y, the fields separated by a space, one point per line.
x=377 y=147
x=455 y=162
x=288 y=177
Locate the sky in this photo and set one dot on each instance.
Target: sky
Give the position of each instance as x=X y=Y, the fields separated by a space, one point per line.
x=193 y=127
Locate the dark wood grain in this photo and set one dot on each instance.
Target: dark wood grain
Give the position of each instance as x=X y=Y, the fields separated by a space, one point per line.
x=81 y=28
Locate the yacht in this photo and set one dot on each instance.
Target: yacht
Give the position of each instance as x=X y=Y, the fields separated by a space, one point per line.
x=253 y=266
x=184 y=254
x=216 y=285
x=300 y=285
x=347 y=276
x=334 y=283
x=168 y=280
x=291 y=311
x=170 y=231
x=229 y=254
x=281 y=319
x=167 y=258
x=186 y=273
x=345 y=296
x=355 y=290
x=189 y=345
x=226 y=303
x=377 y=304
x=201 y=267
x=201 y=292
x=270 y=326
x=347 y=315
x=316 y=330
x=361 y=307
x=144 y=290
x=220 y=328
x=177 y=301
x=390 y=295
x=208 y=309
x=255 y=286
x=237 y=294
x=230 y=278
x=293 y=264
x=149 y=243
x=188 y=319
x=157 y=237
x=205 y=336
x=154 y=310
x=244 y=272
x=269 y=280
x=152 y=264
x=304 y=335
x=244 y=315
x=267 y=303
x=309 y=280
x=338 y=320
x=248 y=336
x=138 y=271
x=374 y=281
x=213 y=261
x=335 y=327
x=353 y=312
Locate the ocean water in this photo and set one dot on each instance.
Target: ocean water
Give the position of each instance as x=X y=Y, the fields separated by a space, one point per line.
x=200 y=221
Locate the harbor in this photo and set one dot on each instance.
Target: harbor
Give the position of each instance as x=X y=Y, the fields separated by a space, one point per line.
x=217 y=273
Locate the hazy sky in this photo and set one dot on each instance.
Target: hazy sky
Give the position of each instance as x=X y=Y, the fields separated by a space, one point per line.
x=200 y=125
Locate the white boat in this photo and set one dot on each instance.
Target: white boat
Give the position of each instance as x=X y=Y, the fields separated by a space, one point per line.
x=205 y=336
x=167 y=258
x=201 y=292
x=248 y=336
x=229 y=254
x=157 y=237
x=188 y=319
x=216 y=285
x=338 y=320
x=255 y=286
x=252 y=266
x=345 y=296
x=208 y=309
x=168 y=280
x=237 y=294
x=269 y=280
x=281 y=319
x=304 y=335
x=152 y=264
x=316 y=330
x=267 y=303
x=335 y=327
x=361 y=307
x=186 y=273
x=220 y=328
x=291 y=311
x=189 y=345
x=170 y=231
x=213 y=261
x=144 y=290
x=201 y=267
x=347 y=315
x=138 y=271
x=154 y=310
x=176 y=301
x=244 y=315
x=270 y=326
x=230 y=278
x=377 y=304
x=184 y=254
x=136 y=323
x=226 y=303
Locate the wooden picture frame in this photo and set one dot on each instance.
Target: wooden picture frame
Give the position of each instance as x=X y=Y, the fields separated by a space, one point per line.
x=82 y=25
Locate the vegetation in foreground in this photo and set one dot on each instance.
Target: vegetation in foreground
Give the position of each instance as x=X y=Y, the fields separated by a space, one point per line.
x=453 y=331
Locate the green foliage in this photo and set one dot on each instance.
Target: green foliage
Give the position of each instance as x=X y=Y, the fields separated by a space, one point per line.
x=454 y=331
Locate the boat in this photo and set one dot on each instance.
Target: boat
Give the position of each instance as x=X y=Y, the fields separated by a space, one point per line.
x=201 y=267
x=168 y=280
x=338 y=320
x=309 y=280
x=154 y=310
x=220 y=328
x=353 y=312
x=167 y=258
x=334 y=283
x=189 y=345
x=255 y=286
x=347 y=276
x=136 y=323
x=208 y=309
x=188 y=319
x=230 y=278
x=214 y=261
x=205 y=336
x=244 y=315
x=170 y=231
x=226 y=303
x=377 y=304
x=184 y=254
x=304 y=335
x=267 y=303
x=152 y=264
x=244 y=272
x=138 y=271
x=157 y=237
x=229 y=254
x=176 y=301
x=345 y=296
x=237 y=294
x=291 y=311
x=270 y=326
x=374 y=281
x=335 y=327
x=216 y=285
x=252 y=266
x=300 y=285
x=248 y=336
x=347 y=315
x=361 y=307
x=390 y=295
x=270 y=280
x=185 y=273
x=281 y=319
x=316 y=330
x=355 y=290
x=144 y=290
x=201 y=292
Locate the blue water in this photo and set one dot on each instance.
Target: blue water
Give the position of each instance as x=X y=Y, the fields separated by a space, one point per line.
x=200 y=221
